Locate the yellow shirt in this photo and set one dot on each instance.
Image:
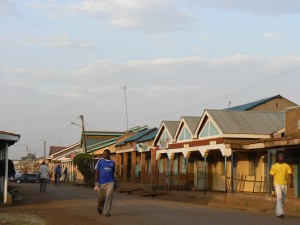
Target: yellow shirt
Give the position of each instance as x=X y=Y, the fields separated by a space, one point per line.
x=280 y=173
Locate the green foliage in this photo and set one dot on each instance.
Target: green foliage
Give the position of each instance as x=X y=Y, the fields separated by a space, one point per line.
x=85 y=165
x=30 y=156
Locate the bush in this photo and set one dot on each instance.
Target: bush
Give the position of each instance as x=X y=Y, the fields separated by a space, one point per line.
x=85 y=164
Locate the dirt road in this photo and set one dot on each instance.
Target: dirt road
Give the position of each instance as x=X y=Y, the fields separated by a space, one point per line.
x=77 y=205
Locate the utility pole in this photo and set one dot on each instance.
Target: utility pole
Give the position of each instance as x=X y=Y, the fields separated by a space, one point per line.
x=126 y=107
x=83 y=132
x=44 y=151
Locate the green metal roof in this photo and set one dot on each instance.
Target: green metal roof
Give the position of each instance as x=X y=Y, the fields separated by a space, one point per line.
x=102 y=144
x=150 y=136
x=135 y=137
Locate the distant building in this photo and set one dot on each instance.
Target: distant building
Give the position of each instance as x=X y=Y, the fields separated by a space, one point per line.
x=271 y=104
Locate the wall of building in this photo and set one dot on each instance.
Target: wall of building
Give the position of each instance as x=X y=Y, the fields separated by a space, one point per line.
x=275 y=105
x=292 y=118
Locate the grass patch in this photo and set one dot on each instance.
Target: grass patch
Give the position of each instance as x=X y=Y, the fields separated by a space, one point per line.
x=20 y=219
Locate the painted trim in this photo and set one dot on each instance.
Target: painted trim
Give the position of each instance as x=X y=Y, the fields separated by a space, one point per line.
x=127 y=150
x=202 y=149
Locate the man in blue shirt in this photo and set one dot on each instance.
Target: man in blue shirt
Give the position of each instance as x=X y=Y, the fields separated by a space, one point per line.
x=104 y=177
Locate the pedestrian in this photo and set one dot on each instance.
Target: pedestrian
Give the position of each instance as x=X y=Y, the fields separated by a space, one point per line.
x=57 y=174
x=43 y=172
x=100 y=158
x=65 y=174
x=104 y=177
x=280 y=172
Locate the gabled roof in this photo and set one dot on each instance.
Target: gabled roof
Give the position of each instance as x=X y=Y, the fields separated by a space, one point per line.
x=55 y=149
x=170 y=126
x=247 y=122
x=135 y=137
x=66 y=150
x=192 y=122
x=251 y=105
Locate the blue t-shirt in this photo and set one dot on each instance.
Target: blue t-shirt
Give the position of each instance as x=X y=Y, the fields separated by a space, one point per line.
x=106 y=169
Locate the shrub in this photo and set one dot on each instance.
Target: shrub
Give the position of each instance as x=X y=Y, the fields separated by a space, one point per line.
x=85 y=164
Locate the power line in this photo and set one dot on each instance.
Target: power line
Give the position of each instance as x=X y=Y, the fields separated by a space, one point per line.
x=43 y=139
x=87 y=125
x=221 y=98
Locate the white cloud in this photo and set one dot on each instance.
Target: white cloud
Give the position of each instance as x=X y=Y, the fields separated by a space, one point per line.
x=273 y=35
x=8 y=7
x=199 y=48
x=162 y=75
x=60 y=41
x=152 y=16
x=156 y=87
x=260 y=7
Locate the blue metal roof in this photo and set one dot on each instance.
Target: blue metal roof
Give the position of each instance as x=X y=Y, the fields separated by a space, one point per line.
x=252 y=104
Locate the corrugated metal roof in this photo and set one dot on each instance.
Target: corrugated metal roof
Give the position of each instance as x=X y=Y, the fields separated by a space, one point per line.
x=135 y=137
x=150 y=136
x=120 y=143
x=251 y=105
x=247 y=122
x=171 y=126
x=138 y=128
x=102 y=145
x=192 y=122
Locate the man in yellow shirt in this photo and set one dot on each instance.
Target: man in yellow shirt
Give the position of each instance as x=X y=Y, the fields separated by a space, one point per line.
x=280 y=172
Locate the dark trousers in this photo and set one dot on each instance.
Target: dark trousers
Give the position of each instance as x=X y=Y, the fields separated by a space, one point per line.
x=43 y=183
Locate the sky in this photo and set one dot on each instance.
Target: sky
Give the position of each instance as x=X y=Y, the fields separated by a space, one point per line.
x=60 y=59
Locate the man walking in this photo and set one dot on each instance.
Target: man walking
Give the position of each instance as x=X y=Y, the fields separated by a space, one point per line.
x=280 y=171
x=104 y=177
x=43 y=171
x=57 y=174
x=66 y=175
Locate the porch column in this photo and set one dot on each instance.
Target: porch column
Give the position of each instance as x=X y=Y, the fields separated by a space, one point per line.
x=232 y=168
x=225 y=171
x=187 y=172
x=154 y=169
x=171 y=172
x=133 y=167
x=269 y=185
x=143 y=163
x=125 y=166
x=205 y=172
x=118 y=165
x=6 y=173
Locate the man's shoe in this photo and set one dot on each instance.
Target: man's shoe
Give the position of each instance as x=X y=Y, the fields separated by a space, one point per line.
x=281 y=216
x=108 y=215
x=99 y=211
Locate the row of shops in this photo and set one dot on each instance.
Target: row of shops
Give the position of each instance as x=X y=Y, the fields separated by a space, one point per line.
x=228 y=150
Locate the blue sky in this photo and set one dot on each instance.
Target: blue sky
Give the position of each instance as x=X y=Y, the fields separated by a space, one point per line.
x=61 y=59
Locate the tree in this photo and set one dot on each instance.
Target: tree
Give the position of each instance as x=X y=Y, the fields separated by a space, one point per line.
x=30 y=156
x=85 y=165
